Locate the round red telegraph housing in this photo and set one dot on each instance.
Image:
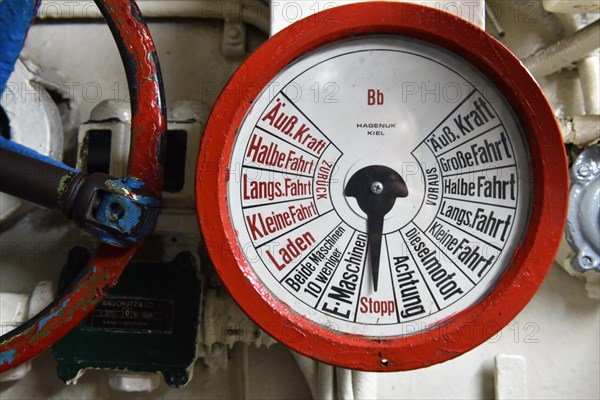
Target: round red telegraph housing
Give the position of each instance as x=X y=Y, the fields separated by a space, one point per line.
x=389 y=189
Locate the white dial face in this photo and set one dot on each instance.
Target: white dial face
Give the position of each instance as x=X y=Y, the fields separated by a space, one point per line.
x=379 y=186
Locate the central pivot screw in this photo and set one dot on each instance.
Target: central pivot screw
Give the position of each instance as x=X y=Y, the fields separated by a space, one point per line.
x=377 y=188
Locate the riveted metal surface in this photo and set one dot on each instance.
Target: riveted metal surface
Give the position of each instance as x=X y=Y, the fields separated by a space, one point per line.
x=148 y=127
x=460 y=332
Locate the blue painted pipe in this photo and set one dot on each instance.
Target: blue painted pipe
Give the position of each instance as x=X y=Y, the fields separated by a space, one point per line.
x=15 y=19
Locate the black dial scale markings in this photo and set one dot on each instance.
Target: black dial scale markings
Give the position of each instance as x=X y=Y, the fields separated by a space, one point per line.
x=362 y=187
x=443 y=196
x=295 y=200
x=445 y=175
x=372 y=223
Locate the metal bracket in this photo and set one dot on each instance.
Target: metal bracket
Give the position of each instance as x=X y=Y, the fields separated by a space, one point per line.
x=583 y=224
x=234 y=30
x=119 y=211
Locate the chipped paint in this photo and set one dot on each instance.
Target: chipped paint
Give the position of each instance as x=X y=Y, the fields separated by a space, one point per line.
x=127 y=214
x=124 y=187
x=63 y=186
x=44 y=321
x=7 y=357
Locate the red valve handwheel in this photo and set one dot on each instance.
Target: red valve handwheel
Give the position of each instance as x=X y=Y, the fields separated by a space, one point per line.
x=147 y=131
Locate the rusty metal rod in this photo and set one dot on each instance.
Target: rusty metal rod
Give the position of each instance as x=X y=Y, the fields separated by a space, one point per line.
x=34 y=180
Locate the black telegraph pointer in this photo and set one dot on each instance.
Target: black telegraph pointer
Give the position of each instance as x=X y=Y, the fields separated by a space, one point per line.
x=376 y=189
